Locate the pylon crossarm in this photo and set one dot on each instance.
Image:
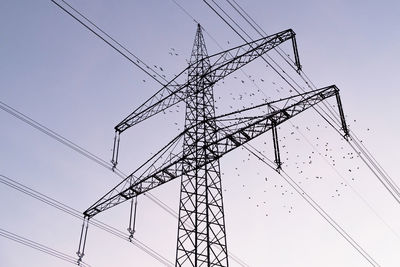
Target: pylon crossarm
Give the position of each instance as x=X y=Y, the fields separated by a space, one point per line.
x=288 y=108
x=242 y=130
x=162 y=159
x=239 y=132
x=222 y=64
x=134 y=186
x=169 y=95
x=226 y=62
x=273 y=106
x=267 y=108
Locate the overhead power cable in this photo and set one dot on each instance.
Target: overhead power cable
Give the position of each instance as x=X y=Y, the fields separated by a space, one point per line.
x=301 y=192
x=333 y=118
x=40 y=247
x=67 y=8
x=185 y=11
x=264 y=159
x=371 y=160
x=364 y=150
x=388 y=185
x=327 y=121
x=65 y=141
x=289 y=80
x=351 y=187
x=38 y=126
x=282 y=54
x=322 y=212
x=391 y=187
x=12 y=111
x=102 y=34
x=78 y=215
x=332 y=112
x=317 y=110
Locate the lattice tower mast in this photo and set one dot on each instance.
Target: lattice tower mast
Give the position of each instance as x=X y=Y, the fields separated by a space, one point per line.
x=201 y=239
x=201 y=227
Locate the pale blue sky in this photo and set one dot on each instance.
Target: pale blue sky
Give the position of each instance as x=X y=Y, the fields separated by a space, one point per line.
x=60 y=74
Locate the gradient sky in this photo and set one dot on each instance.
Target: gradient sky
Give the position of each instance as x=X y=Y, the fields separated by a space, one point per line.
x=60 y=74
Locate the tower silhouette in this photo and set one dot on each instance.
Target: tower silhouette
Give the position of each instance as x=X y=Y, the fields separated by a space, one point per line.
x=201 y=228
x=201 y=239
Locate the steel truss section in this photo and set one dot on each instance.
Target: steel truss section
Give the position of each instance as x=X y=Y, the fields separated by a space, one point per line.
x=220 y=65
x=201 y=228
x=201 y=239
x=241 y=131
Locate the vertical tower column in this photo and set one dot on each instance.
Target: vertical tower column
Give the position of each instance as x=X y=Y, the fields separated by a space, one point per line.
x=201 y=226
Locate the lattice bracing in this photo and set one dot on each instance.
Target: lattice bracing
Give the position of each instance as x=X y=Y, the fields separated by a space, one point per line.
x=201 y=239
x=231 y=132
x=220 y=65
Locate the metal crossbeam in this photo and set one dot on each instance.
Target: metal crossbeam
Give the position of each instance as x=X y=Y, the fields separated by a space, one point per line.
x=201 y=239
x=221 y=65
x=229 y=137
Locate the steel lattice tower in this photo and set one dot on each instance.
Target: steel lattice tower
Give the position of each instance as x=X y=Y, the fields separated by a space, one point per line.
x=201 y=239
x=201 y=227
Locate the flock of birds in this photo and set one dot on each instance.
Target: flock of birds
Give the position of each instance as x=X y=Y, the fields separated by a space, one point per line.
x=308 y=147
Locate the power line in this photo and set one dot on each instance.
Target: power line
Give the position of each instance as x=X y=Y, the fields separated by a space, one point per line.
x=78 y=215
x=283 y=55
x=263 y=158
x=388 y=185
x=265 y=60
x=111 y=42
x=38 y=126
x=391 y=183
x=40 y=247
x=185 y=11
x=369 y=160
x=347 y=237
x=316 y=207
x=67 y=142
x=270 y=58
x=12 y=111
x=317 y=111
x=28 y=120
x=248 y=36
x=373 y=160
x=282 y=77
x=365 y=151
x=114 y=46
x=352 y=188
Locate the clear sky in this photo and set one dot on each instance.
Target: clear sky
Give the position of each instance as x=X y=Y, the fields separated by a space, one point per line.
x=58 y=73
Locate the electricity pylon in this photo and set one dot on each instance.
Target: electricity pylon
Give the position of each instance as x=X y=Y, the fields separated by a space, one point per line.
x=206 y=138
x=201 y=228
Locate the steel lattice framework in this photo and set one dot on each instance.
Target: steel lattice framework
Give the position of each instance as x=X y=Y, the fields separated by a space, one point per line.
x=206 y=138
x=201 y=228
